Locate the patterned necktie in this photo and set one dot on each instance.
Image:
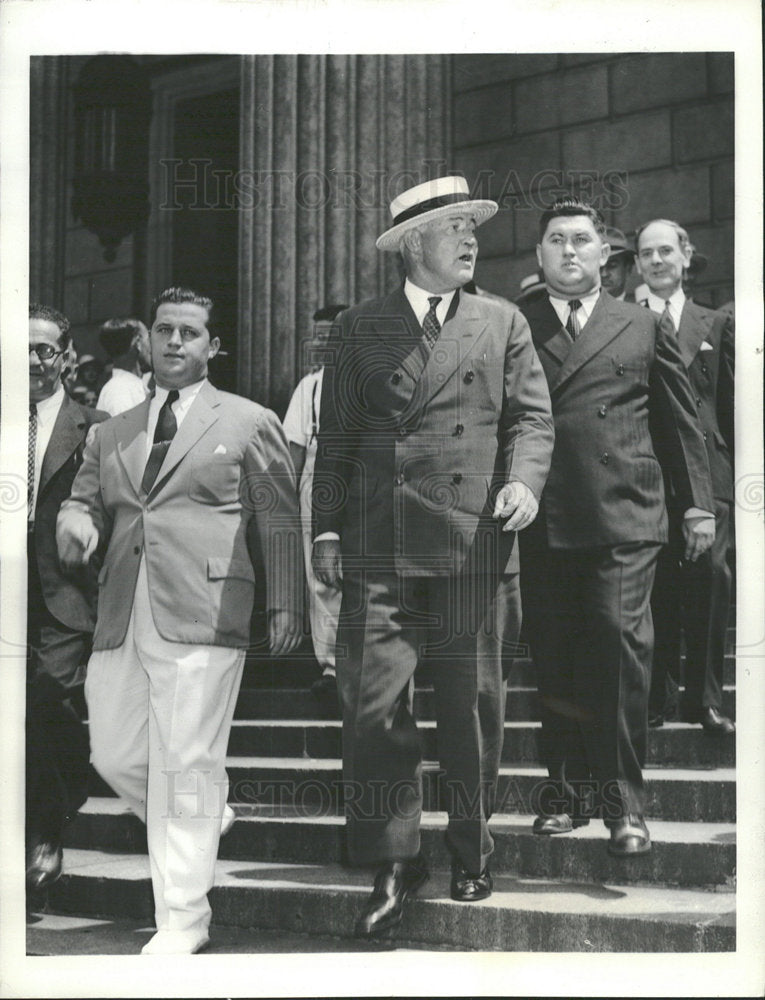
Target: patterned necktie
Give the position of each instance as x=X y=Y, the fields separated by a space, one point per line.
x=31 y=454
x=572 y=323
x=163 y=435
x=666 y=318
x=430 y=325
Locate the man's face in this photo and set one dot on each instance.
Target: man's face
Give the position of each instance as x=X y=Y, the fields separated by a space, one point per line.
x=44 y=376
x=181 y=344
x=448 y=252
x=661 y=260
x=614 y=273
x=143 y=346
x=571 y=255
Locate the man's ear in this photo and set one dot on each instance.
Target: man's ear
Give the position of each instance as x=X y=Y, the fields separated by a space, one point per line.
x=539 y=254
x=413 y=241
x=214 y=347
x=604 y=253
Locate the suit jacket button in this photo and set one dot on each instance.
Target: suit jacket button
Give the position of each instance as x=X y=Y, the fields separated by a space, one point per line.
x=459 y=429
x=704 y=369
x=395 y=378
x=620 y=370
x=604 y=458
x=698 y=401
x=457 y=478
x=136 y=550
x=602 y=411
x=705 y=434
x=400 y=479
x=469 y=376
x=402 y=432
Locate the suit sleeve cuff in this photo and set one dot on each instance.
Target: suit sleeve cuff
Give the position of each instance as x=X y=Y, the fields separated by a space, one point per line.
x=327 y=536
x=696 y=512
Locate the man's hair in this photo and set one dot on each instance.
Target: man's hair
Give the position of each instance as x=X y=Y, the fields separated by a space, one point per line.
x=116 y=335
x=177 y=295
x=682 y=236
x=572 y=206
x=38 y=311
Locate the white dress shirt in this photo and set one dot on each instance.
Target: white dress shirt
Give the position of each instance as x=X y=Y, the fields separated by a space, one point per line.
x=123 y=391
x=583 y=312
x=418 y=300
x=47 y=412
x=180 y=408
x=676 y=301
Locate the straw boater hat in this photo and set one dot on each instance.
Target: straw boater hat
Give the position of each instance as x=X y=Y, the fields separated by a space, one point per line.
x=432 y=200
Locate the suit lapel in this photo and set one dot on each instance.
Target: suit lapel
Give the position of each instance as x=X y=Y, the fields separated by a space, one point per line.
x=549 y=333
x=201 y=415
x=604 y=324
x=66 y=436
x=459 y=337
x=131 y=442
x=694 y=326
x=399 y=330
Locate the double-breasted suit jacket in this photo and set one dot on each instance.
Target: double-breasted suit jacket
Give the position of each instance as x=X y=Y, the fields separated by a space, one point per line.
x=224 y=493
x=413 y=444
x=622 y=405
x=697 y=598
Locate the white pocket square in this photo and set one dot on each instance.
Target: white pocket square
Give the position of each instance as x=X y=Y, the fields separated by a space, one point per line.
x=706 y=347
x=220 y=450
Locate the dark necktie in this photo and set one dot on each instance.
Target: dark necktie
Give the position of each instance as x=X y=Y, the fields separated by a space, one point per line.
x=572 y=323
x=430 y=325
x=163 y=435
x=666 y=318
x=31 y=453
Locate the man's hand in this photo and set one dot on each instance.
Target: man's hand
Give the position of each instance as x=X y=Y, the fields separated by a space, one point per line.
x=76 y=538
x=699 y=533
x=516 y=502
x=326 y=561
x=284 y=632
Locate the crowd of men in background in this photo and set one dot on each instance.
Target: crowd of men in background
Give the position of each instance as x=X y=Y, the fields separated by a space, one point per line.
x=625 y=519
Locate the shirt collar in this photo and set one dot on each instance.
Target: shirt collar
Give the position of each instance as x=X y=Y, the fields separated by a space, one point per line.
x=676 y=303
x=49 y=407
x=187 y=393
x=418 y=300
x=561 y=305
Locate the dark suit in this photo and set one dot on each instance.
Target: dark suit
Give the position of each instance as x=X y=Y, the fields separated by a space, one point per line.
x=588 y=561
x=696 y=596
x=412 y=449
x=60 y=622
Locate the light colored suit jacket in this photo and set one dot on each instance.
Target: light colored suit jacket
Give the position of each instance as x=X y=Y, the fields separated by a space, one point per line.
x=224 y=500
x=623 y=409
x=413 y=444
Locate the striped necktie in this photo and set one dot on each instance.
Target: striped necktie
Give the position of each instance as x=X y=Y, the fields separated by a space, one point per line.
x=572 y=323
x=163 y=435
x=430 y=325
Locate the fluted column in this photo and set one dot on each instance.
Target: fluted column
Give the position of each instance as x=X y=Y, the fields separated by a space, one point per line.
x=47 y=178
x=326 y=142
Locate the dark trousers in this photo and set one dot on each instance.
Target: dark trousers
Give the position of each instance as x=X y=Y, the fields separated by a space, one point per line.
x=692 y=598
x=57 y=750
x=587 y=617
x=389 y=624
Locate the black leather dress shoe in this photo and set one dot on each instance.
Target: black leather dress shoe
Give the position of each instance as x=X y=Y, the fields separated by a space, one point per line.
x=324 y=690
x=716 y=724
x=43 y=865
x=467 y=888
x=546 y=826
x=393 y=883
x=629 y=835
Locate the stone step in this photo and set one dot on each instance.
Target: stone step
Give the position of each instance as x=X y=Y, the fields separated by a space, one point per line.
x=686 y=854
x=302 y=671
x=521 y=915
x=296 y=703
x=673 y=745
x=674 y=795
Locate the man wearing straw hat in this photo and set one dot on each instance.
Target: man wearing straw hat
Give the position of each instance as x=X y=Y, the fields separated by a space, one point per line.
x=434 y=445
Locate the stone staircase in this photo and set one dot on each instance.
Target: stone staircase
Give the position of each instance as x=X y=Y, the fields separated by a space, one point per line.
x=281 y=866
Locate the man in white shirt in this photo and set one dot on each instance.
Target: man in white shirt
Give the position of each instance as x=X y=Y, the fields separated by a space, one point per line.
x=301 y=425
x=692 y=596
x=185 y=490
x=126 y=341
x=60 y=608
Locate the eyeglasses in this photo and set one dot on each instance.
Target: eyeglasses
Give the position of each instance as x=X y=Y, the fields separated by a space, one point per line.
x=44 y=351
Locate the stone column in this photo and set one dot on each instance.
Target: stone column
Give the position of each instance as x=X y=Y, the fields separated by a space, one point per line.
x=326 y=142
x=48 y=99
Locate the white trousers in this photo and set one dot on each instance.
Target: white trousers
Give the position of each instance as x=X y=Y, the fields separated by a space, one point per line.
x=159 y=715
